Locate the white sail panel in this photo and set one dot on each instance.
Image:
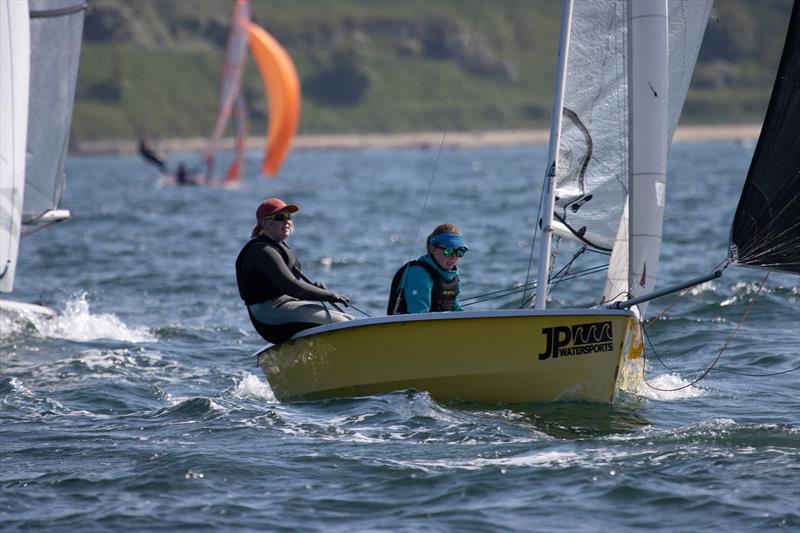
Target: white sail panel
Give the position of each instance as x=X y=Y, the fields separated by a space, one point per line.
x=687 y=25
x=14 y=79
x=685 y=28
x=591 y=176
x=56 y=29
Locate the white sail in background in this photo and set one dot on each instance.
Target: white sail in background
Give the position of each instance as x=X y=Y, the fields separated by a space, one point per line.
x=633 y=268
x=14 y=79
x=56 y=29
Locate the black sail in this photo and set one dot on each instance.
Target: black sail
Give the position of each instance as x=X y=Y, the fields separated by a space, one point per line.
x=766 y=227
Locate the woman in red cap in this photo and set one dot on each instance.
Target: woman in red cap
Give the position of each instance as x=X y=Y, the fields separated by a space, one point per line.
x=280 y=299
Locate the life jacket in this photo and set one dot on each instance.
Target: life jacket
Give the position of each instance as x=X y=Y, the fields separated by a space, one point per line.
x=253 y=287
x=443 y=293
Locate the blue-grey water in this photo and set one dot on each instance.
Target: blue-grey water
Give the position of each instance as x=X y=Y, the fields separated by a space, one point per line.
x=139 y=406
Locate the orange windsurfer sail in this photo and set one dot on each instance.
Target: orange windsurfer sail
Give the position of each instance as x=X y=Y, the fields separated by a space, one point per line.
x=282 y=89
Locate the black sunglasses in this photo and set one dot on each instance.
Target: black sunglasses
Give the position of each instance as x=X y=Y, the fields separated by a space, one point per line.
x=280 y=217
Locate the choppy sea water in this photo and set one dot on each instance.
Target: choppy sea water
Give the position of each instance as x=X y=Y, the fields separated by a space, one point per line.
x=140 y=407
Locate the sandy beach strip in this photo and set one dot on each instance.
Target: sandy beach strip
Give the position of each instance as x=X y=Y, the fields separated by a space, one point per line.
x=422 y=139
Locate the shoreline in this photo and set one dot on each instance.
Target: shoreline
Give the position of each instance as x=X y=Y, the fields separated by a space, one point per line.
x=420 y=139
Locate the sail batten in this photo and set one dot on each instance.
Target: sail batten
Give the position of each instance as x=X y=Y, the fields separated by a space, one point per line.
x=766 y=227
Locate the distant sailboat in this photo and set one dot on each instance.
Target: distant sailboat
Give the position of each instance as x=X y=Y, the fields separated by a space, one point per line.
x=281 y=87
x=38 y=76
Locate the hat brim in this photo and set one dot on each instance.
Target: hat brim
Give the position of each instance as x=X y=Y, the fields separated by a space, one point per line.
x=450 y=240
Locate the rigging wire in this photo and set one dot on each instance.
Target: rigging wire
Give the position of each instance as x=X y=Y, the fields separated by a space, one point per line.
x=670 y=369
x=721 y=351
x=533 y=244
x=509 y=291
x=444 y=133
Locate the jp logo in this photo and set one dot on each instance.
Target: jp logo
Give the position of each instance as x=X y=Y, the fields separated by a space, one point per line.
x=576 y=340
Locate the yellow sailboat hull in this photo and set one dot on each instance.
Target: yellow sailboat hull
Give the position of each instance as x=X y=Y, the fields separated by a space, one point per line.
x=496 y=356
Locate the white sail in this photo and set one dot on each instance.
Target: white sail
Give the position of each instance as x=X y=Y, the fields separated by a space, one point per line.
x=56 y=28
x=591 y=172
x=14 y=79
x=633 y=268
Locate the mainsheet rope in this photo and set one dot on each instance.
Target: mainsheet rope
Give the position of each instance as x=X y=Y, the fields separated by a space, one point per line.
x=721 y=351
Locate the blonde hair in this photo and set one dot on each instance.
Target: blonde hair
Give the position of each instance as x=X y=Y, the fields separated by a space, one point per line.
x=442 y=228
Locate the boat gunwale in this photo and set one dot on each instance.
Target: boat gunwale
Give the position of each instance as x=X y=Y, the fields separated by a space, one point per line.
x=446 y=315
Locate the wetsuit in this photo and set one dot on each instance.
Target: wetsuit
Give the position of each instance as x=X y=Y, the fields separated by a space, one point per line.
x=279 y=302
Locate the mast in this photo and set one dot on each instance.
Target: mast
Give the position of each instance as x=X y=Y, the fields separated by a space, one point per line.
x=555 y=141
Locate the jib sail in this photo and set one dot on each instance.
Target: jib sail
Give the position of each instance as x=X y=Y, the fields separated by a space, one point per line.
x=766 y=227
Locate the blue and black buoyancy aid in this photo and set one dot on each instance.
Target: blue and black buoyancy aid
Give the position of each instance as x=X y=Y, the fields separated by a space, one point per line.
x=443 y=294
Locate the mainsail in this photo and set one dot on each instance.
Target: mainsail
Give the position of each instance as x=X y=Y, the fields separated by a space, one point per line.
x=766 y=227
x=282 y=88
x=14 y=76
x=627 y=76
x=56 y=30
x=231 y=100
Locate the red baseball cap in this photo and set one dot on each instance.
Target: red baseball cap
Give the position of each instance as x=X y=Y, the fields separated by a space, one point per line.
x=270 y=206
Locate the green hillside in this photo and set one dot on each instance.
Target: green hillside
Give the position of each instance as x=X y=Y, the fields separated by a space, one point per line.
x=152 y=67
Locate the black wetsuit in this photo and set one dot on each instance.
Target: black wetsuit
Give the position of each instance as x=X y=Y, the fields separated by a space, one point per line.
x=267 y=270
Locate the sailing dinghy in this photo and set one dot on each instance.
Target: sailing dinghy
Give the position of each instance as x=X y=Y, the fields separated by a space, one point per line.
x=618 y=96
x=38 y=76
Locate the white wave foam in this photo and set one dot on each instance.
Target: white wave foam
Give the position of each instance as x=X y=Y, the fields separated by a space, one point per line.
x=77 y=323
x=253 y=388
x=668 y=387
x=698 y=290
x=549 y=458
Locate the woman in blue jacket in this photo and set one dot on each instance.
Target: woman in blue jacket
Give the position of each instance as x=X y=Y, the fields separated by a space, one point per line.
x=431 y=283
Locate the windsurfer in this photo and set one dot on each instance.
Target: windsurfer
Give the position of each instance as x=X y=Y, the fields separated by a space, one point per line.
x=184 y=176
x=280 y=299
x=149 y=153
x=430 y=283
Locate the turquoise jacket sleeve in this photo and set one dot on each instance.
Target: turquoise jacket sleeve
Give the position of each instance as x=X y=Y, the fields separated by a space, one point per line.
x=417 y=290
